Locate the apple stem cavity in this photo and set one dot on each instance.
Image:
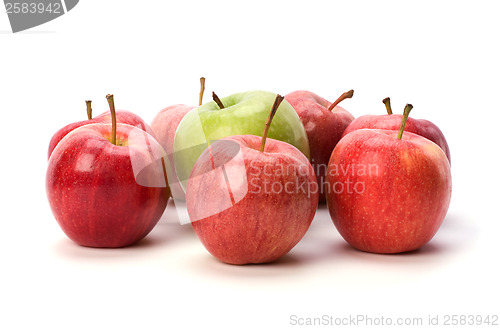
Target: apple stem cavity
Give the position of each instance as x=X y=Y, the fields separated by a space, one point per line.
x=274 y=109
x=202 y=90
x=406 y=113
x=111 y=103
x=89 y=109
x=387 y=102
x=347 y=94
x=217 y=100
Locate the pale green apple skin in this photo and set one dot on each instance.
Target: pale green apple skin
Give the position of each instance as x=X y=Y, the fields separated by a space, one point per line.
x=243 y=114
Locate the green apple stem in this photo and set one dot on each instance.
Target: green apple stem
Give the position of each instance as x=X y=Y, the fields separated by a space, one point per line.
x=276 y=104
x=89 y=109
x=406 y=113
x=387 y=102
x=111 y=103
x=202 y=90
x=217 y=100
x=347 y=94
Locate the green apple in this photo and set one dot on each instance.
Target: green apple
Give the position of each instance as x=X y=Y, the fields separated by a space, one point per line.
x=242 y=114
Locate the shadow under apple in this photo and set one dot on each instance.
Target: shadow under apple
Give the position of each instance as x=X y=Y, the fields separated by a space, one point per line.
x=164 y=235
x=452 y=240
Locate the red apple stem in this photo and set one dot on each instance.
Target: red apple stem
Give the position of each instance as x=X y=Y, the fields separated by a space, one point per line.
x=387 y=102
x=217 y=100
x=89 y=109
x=276 y=104
x=111 y=103
x=406 y=113
x=347 y=94
x=202 y=90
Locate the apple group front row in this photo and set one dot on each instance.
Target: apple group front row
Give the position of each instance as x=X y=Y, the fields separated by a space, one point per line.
x=252 y=168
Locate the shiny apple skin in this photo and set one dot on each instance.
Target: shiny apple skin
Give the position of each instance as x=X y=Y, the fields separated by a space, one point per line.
x=122 y=116
x=244 y=113
x=323 y=128
x=420 y=127
x=238 y=219
x=94 y=192
x=388 y=195
x=164 y=126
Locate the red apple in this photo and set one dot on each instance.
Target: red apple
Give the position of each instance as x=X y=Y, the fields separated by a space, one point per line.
x=121 y=116
x=251 y=201
x=164 y=126
x=105 y=184
x=389 y=192
x=391 y=121
x=324 y=123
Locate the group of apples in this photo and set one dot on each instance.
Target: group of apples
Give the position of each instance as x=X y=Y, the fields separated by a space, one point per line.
x=252 y=168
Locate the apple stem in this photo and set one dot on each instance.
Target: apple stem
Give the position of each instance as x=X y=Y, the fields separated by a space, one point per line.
x=387 y=102
x=217 y=100
x=276 y=104
x=347 y=94
x=202 y=90
x=406 y=113
x=111 y=103
x=89 y=109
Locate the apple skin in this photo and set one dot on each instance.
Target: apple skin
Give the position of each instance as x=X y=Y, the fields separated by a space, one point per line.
x=165 y=123
x=420 y=127
x=240 y=214
x=121 y=116
x=245 y=113
x=106 y=195
x=387 y=195
x=324 y=129
x=164 y=126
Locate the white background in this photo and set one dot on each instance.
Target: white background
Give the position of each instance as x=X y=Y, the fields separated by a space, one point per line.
x=441 y=56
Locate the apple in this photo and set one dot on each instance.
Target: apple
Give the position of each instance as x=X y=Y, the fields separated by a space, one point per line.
x=164 y=126
x=391 y=121
x=242 y=114
x=389 y=192
x=105 y=184
x=121 y=116
x=324 y=123
x=251 y=199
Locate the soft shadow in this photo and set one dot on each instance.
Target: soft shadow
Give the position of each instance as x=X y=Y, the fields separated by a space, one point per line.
x=432 y=255
x=453 y=237
x=313 y=248
x=322 y=205
x=284 y=261
x=429 y=249
x=162 y=236
x=288 y=260
x=171 y=233
x=287 y=265
x=70 y=250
